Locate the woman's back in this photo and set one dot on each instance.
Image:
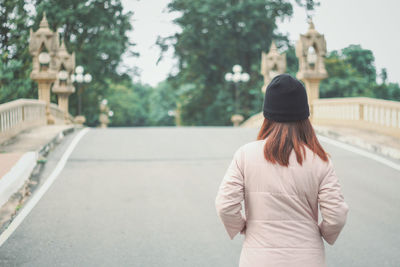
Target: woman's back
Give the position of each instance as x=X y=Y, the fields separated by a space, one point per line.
x=281 y=207
x=282 y=178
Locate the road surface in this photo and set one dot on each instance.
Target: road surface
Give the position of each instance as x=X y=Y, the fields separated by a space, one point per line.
x=145 y=197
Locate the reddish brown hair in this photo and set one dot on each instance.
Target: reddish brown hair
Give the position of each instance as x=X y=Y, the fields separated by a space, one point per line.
x=283 y=137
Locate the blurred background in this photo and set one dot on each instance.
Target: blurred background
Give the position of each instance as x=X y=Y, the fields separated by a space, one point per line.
x=162 y=63
x=137 y=195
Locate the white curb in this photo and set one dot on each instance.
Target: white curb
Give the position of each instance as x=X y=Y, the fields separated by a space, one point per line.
x=43 y=189
x=13 y=180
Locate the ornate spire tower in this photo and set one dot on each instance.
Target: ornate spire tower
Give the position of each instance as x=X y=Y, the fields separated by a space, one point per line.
x=311 y=52
x=272 y=64
x=43 y=46
x=63 y=86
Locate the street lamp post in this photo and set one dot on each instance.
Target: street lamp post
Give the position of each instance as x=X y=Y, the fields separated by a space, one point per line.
x=105 y=113
x=80 y=78
x=236 y=77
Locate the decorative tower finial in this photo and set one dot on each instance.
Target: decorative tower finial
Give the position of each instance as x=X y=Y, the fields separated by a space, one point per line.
x=62 y=46
x=311 y=24
x=43 y=22
x=273 y=47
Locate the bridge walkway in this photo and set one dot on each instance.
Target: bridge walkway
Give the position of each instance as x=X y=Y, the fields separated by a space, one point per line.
x=145 y=197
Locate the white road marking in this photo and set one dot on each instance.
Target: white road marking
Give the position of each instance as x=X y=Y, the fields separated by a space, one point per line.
x=360 y=152
x=42 y=190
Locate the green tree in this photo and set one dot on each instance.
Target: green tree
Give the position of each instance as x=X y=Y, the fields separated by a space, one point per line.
x=352 y=72
x=292 y=63
x=383 y=75
x=216 y=34
x=130 y=103
x=15 y=60
x=136 y=104
x=14 y=83
x=163 y=106
x=14 y=33
x=389 y=91
x=362 y=60
x=97 y=32
x=343 y=80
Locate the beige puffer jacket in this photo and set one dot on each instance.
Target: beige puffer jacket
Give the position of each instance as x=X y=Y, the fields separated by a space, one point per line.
x=281 y=208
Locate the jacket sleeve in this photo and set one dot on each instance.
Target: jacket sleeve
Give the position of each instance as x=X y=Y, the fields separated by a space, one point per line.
x=230 y=196
x=333 y=208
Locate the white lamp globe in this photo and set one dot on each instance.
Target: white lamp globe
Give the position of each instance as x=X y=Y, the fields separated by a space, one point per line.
x=111 y=113
x=87 y=78
x=237 y=77
x=79 y=70
x=104 y=102
x=245 y=77
x=228 y=77
x=63 y=75
x=311 y=56
x=237 y=68
x=44 y=58
x=73 y=78
x=79 y=78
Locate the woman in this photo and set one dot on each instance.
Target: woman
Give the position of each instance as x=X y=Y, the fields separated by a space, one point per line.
x=282 y=178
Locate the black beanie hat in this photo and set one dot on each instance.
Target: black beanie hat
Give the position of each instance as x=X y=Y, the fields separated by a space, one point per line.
x=285 y=100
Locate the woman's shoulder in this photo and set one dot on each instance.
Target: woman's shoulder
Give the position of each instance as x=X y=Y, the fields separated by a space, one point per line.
x=251 y=146
x=250 y=150
x=315 y=162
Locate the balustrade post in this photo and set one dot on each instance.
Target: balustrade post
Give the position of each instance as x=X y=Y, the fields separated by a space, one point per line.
x=360 y=112
x=23 y=113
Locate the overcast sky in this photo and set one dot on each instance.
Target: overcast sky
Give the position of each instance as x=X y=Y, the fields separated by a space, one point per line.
x=372 y=24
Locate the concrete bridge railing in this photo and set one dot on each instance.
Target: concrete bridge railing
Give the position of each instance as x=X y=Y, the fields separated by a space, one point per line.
x=22 y=114
x=363 y=112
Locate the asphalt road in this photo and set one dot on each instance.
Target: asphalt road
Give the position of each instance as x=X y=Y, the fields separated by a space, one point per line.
x=145 y=197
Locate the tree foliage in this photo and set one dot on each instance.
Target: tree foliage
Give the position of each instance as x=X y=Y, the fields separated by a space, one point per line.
x=130 y=103
x=14 y=33
x=95 y=30
x=216 y=34
x=162 y=105
x=15 y=61
x=136 y=104
x=352 y=72
x=362 y=60
x=14 y=83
